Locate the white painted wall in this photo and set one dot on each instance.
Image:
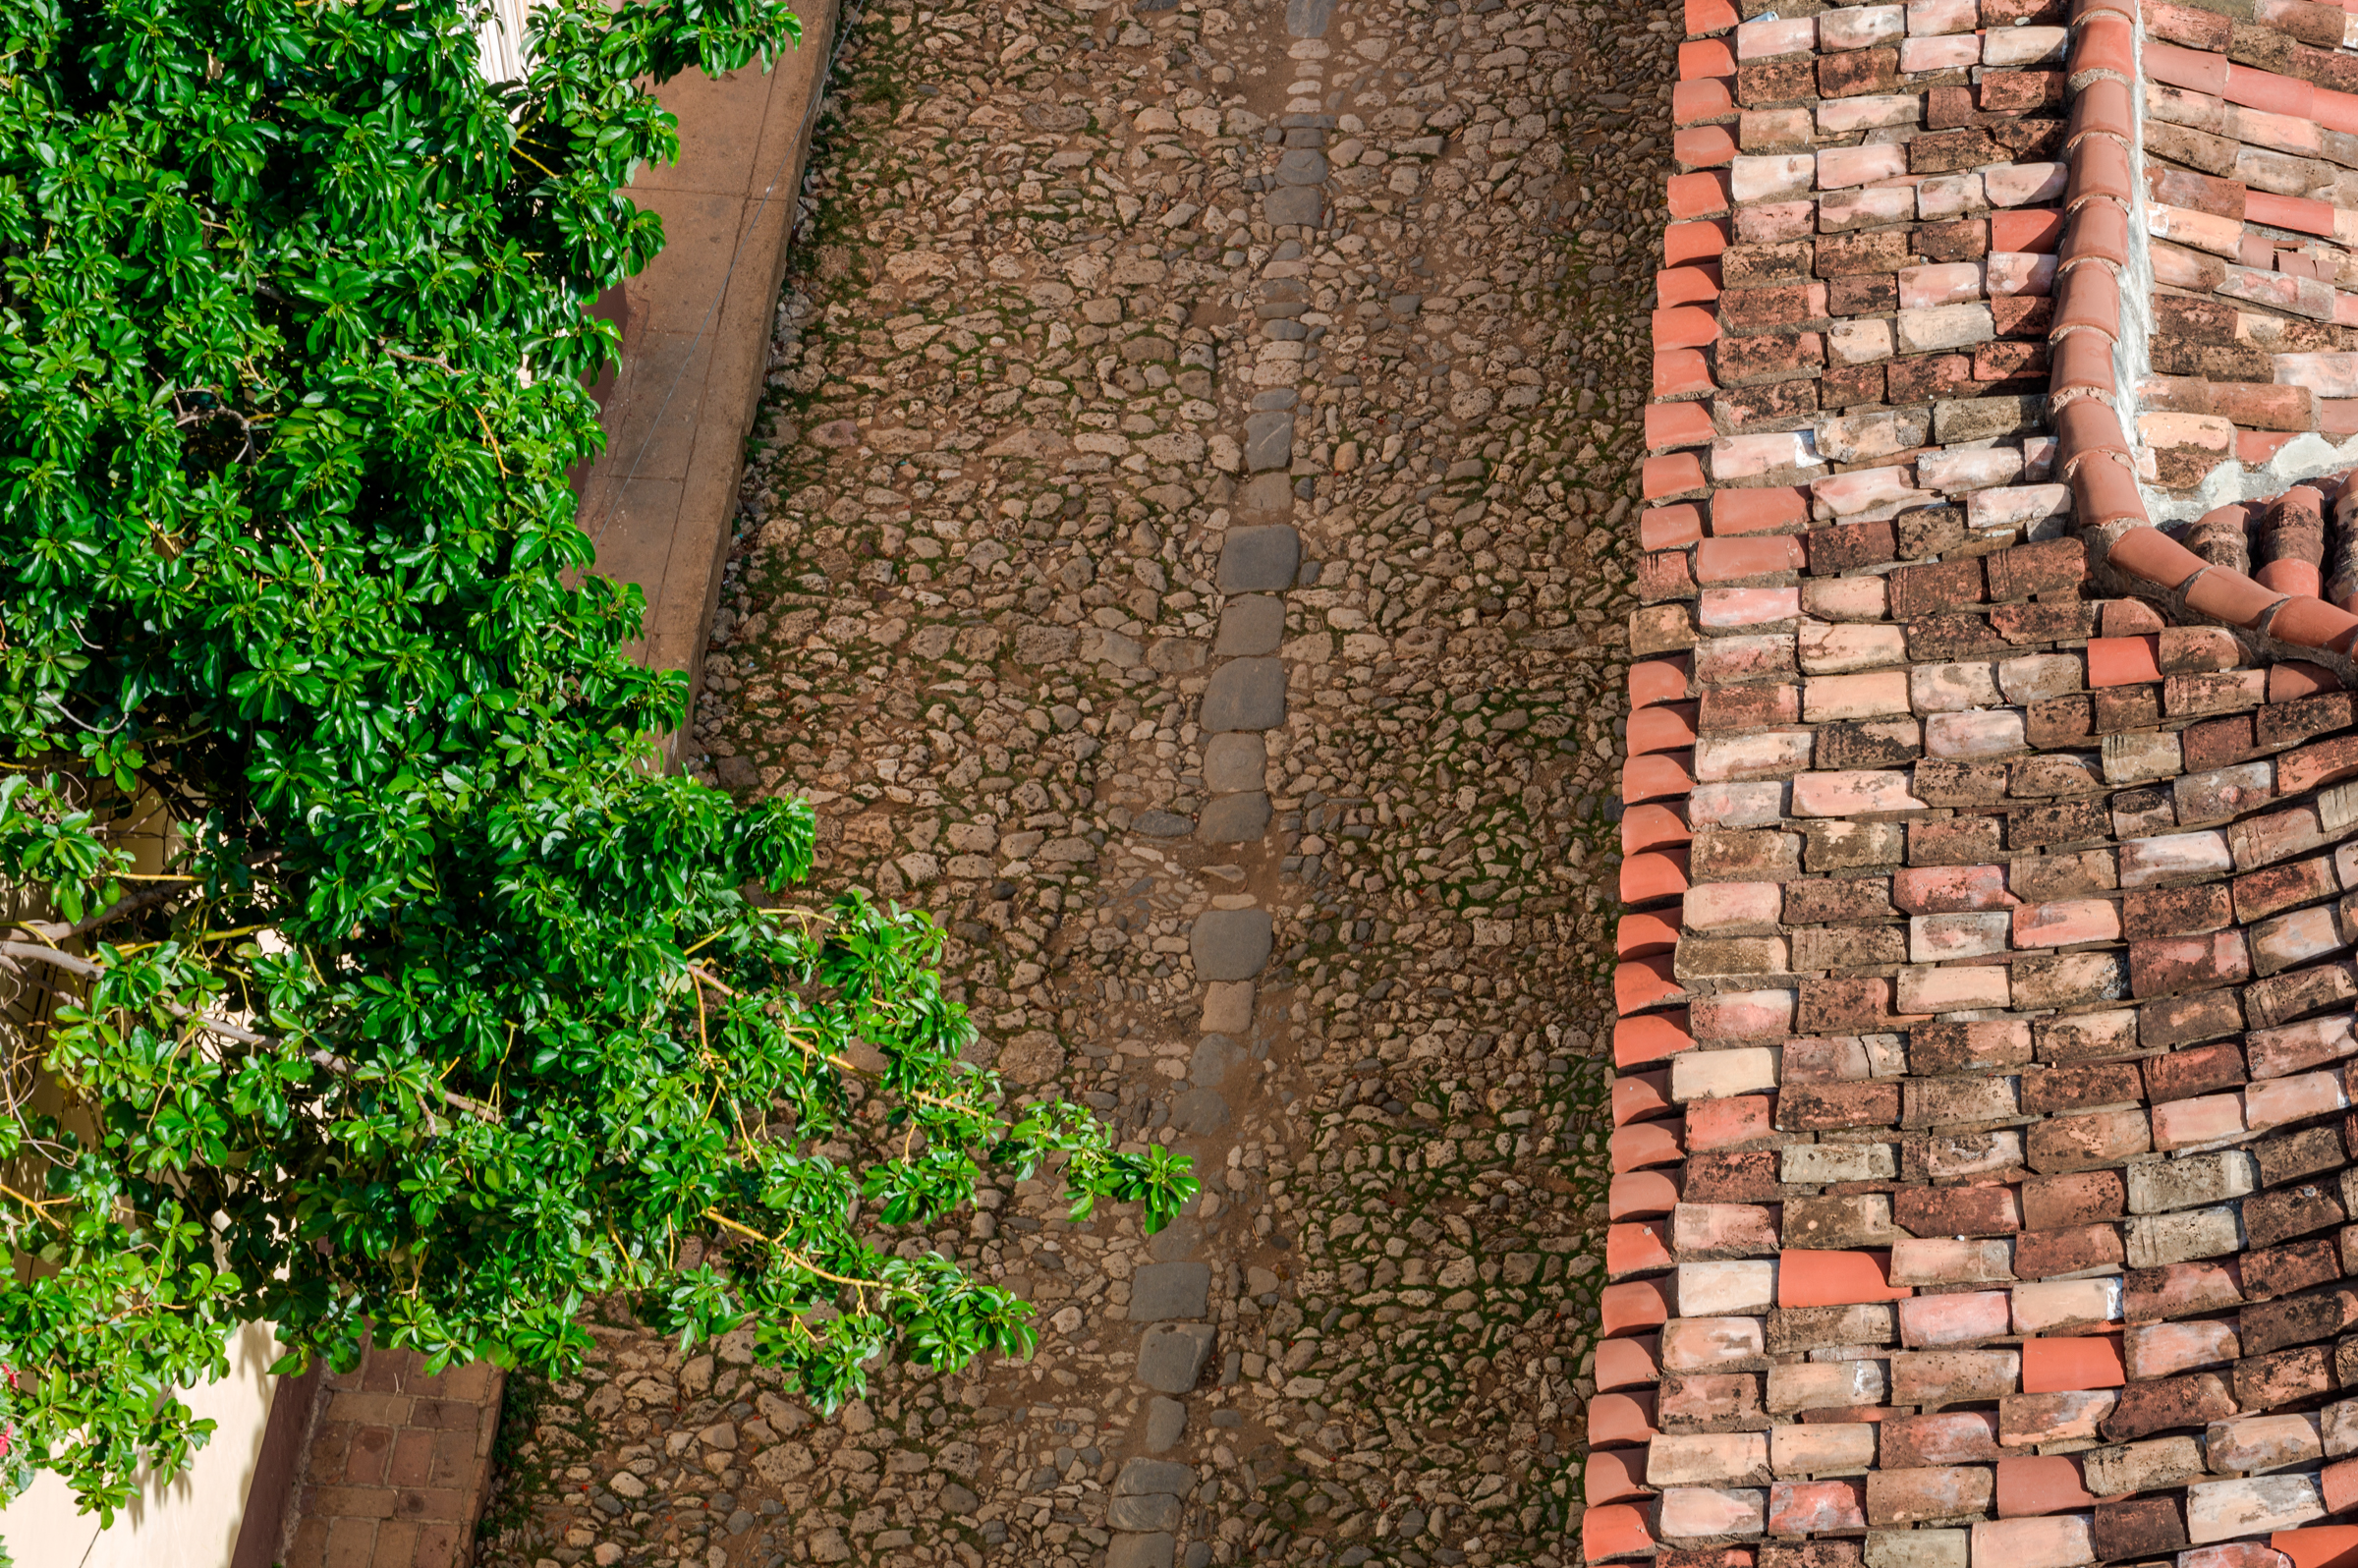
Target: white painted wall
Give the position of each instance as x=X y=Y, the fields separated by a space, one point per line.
x=502 y=39
x=192 y=1520
x=189 y=1522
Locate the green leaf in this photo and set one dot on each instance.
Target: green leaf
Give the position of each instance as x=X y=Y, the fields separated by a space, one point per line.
x=406 y=1041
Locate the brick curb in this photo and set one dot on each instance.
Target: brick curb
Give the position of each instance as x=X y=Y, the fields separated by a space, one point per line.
x=397 y=1466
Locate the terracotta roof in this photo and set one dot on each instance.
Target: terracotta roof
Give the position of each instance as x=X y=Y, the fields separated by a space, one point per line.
x=1985 y=1161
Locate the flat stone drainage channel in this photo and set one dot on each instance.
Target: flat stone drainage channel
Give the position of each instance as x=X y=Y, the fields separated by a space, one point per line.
x=1261 y=558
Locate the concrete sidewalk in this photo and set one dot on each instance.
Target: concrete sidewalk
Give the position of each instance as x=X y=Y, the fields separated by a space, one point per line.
x=696 y=338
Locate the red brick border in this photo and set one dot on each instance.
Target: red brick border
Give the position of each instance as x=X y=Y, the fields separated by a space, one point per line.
x=398 y=1465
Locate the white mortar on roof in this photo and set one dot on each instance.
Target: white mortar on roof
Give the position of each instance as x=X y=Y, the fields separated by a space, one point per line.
x=2132 y=348
x=2307 y=456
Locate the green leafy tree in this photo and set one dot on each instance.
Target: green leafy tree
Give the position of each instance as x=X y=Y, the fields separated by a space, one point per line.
x=446 y=1011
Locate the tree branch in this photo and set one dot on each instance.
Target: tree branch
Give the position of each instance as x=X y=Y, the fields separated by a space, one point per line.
x=840 y=1063
x=802 y=1259
x=129 y=903
x=122 y=908
x=342 y=1067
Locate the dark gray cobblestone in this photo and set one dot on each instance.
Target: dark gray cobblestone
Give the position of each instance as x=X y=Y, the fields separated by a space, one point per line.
x=1018 y=459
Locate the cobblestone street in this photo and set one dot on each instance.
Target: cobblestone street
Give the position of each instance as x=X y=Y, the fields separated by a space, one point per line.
x=1187 y=550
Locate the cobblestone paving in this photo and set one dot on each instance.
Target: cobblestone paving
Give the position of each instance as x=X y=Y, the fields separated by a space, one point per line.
x=1187 y=553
